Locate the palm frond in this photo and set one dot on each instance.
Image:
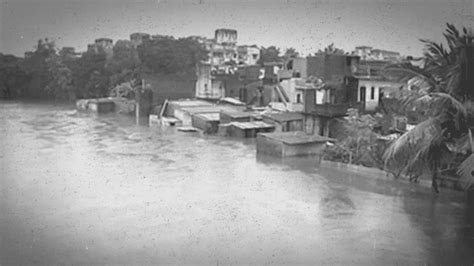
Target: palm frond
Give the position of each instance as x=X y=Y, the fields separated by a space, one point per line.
x=440 y=101
x=421 y=134
x=466 y=172
x=405 y=73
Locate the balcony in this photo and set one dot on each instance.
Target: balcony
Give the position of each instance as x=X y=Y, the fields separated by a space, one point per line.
x=330 y=109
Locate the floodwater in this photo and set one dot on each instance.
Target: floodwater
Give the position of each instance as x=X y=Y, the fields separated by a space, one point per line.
x=92 y=190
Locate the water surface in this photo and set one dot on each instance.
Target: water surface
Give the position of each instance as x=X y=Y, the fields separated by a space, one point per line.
x=88 y=190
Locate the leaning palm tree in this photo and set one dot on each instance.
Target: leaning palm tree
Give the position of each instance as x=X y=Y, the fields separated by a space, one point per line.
x=442 y=95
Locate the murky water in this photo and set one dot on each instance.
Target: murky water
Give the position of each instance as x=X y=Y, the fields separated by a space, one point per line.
x=82 y=189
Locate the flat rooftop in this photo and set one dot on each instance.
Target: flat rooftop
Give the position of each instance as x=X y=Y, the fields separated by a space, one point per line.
x=210 y=109
x=238 y=113
x=295 y=137
x=284 y=116
x=251 y=125
x=190 y=103
x=209 y=116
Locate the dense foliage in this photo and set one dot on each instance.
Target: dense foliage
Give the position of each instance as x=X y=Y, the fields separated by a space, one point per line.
x=445 y=92
x=169 y=55
x=357 y=143
x=52 y=73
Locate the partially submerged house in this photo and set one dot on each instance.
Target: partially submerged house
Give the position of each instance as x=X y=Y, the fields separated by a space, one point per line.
x=236 y=116
x=247 y=129
x=286 y=144
x=285 y=121
x=207 y=122
x=184 y=110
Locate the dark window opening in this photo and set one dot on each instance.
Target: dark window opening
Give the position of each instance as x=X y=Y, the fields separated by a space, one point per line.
x=372 y=93
x=298 y=98
x=362 y=94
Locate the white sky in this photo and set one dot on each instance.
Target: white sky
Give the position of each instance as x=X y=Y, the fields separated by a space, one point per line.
x=304 y=25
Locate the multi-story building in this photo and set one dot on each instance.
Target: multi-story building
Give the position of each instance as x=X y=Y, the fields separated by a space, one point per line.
x=247 y=55
x=105 y=43
x=367 y=85
x=368 y=53
x=379 y=54
x=216 y=74
x=224 y=49
x=69 y=52
x=138 y=38
x=101 y=45
x=363 y=52
x=328 y=67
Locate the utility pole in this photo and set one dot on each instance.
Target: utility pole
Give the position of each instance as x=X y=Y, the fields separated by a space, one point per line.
x=138 y=98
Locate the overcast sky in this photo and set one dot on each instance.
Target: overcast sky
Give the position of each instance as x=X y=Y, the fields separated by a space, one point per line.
x=304 y=25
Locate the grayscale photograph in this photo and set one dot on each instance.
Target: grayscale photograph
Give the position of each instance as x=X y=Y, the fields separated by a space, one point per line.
x=226 y=132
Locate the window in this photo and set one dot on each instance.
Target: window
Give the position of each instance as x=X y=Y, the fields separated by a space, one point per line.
x=362 y=94
x=298 y=98
x=372 y=93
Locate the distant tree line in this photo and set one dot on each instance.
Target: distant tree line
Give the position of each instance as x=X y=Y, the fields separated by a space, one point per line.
x=51 y=73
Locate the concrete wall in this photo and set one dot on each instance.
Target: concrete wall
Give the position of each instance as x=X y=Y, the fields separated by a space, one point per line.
x=309 y=124
x=299 y=66
x=296 y=125
x=370 y=102
x=269 y=146
x=315 y=67
x=285 y=126
x=306 y=149
x=237 y=132
x=203 y=82
x=336 y=68
x=226 y=118
x=207 y=126
x=184 y=116
x=277 y=148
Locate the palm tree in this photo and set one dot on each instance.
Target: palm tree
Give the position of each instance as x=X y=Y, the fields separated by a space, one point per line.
x=444 y=92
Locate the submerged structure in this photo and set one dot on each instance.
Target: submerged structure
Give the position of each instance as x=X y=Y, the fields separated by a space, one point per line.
x=287 y=144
